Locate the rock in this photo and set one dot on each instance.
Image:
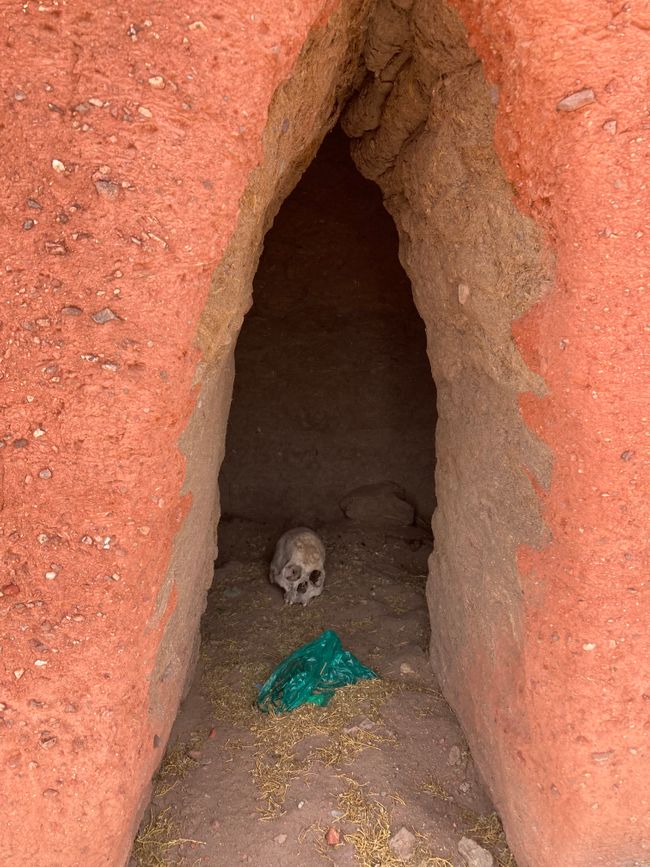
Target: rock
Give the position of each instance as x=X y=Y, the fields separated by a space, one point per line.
x=405 y=669
x=403 y=843
x=107 y=188
x=101 y=317
x=383 y=503
x=333 y=836
x=280 y=839
x=455 y=755
x=473 y=854
x=576 y=100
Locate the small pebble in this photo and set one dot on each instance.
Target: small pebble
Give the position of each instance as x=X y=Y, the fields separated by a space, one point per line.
x=45 y=474
x=58 y=166
x=28 y=224
x=333 y=836
x=403 y=843
x=576 y=100
x=33 y=204
x=473 y=854
x=280 y=839
x=104 y=315
x=107 y=188
x=455 y=756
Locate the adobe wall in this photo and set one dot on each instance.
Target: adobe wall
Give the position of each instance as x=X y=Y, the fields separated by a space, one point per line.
x=143 y=162
x=129 y=145
x=536 y=589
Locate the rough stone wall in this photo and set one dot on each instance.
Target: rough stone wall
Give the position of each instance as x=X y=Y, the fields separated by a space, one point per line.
x=535 y=578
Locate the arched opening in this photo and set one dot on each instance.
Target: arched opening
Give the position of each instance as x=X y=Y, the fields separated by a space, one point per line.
x=419 y=115
x=333 y=387
x=332 y=426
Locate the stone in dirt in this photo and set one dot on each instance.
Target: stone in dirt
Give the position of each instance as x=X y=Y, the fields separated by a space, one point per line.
x=280 y=839
x=576 y=100
x=455 y=756
x=403 y=843
x=473 y=854
x=333 y=837
x=381 y=503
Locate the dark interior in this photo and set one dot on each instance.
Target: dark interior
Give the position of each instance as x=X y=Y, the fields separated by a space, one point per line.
x=333 y=388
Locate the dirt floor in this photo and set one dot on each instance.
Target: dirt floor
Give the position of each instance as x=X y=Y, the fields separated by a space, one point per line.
x=239 y=786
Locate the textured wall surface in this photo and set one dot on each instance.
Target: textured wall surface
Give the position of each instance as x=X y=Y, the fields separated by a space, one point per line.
x=572 y=134
x=144 y=156
x=129 y=139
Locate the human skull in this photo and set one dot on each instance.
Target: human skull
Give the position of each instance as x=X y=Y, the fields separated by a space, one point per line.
x=298 y=566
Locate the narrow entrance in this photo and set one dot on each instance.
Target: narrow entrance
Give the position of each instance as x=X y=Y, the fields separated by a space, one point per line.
x=331 y=426
x=333 y=388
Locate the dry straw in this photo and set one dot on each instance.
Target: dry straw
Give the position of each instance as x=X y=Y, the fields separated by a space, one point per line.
x=488 y=831
x=154 y=844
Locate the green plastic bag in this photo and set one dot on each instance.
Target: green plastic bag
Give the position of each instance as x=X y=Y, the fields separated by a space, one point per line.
x=311 y=674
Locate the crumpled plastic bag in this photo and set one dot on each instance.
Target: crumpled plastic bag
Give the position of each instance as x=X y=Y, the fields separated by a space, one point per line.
x=311 y=674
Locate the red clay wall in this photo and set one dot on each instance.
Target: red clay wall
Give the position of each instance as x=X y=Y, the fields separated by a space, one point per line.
x=128 y=143
x=128 y=139
x=577 y=783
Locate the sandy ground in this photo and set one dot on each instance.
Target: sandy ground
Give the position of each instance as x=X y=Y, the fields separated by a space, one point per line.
x=239 y=786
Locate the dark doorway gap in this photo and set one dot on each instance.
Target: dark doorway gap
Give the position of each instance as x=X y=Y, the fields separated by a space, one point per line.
x=333 y=387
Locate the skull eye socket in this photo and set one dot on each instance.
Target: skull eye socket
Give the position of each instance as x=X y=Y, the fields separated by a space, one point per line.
x=301 y=588
x=315 y=576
